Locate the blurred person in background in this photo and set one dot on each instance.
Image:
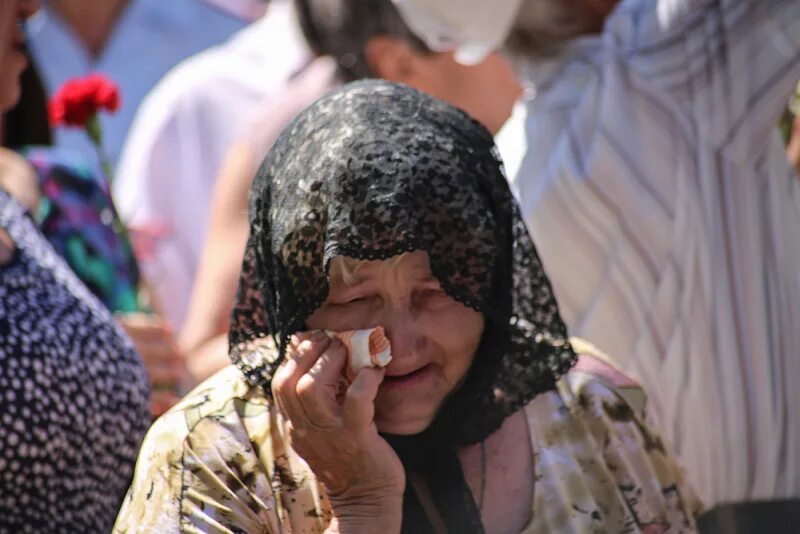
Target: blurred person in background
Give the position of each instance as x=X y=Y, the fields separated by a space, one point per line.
x=73 y=391
x=650 y=172
x=352 y=39
x=71 y=203
x=179 y=137
x=133 y=42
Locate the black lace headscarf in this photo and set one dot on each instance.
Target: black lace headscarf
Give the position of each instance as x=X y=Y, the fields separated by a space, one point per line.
x=374 y=170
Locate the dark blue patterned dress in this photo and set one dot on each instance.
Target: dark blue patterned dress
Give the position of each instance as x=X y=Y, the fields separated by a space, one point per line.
x=73 y=393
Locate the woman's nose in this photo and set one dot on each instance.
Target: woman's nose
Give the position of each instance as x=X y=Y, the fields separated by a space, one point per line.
x=403 y=331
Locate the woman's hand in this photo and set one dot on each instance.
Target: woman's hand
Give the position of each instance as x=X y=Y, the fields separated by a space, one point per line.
x=165 y=363
x=335 y=433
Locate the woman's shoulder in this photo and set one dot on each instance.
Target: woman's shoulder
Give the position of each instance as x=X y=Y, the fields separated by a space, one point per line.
x=220 y=456
x=595 y=372
x=594 y=445
x=594 y=395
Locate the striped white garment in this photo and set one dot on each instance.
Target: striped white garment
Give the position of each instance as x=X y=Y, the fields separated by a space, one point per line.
x=648 y=166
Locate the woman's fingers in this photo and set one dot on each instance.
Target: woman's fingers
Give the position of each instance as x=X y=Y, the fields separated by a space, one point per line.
x=307 y=388
x=334 y=432
x=328 y=367
x=317 y=389
x=300 y=356
x=358 y=409
x=302 y=336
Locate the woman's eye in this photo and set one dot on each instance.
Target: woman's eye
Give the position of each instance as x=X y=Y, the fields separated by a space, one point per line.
x=431 y=296
x=353 y=301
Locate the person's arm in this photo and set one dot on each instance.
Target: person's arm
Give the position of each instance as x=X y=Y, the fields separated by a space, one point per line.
x=204 y=336
x=18 y=178
x=730 y=65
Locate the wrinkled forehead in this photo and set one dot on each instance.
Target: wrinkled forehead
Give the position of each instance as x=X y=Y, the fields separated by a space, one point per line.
x=409 y=266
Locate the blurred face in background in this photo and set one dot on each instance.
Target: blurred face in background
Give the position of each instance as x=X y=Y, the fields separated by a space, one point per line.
x=369 y=39
x=487 y=90
x=12 y=42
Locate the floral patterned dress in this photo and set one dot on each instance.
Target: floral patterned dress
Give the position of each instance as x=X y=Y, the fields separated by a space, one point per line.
x=78 y=217
x=219 y=462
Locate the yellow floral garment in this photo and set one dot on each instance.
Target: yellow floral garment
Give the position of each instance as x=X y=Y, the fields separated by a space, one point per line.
x=219 y=462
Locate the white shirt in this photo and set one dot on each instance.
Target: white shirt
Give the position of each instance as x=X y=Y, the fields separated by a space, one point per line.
x=180 y=136
x=650 y=173
x=150 y=37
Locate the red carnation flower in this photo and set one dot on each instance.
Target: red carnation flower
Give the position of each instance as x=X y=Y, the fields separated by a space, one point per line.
x=79 y=100
x=77 y=104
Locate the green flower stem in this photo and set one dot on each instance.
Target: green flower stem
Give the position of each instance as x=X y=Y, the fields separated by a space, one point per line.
x=95 y=133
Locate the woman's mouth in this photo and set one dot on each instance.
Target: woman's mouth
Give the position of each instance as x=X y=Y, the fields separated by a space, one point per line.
x=409 y=379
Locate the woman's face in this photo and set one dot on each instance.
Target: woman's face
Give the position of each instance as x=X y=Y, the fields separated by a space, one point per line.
x=12 y=42
x=434 y=338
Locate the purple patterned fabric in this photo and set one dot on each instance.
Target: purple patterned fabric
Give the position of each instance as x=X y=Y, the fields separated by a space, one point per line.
x=77 y=216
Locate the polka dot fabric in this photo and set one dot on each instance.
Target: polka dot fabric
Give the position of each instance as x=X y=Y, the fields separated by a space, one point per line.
x=73 y=394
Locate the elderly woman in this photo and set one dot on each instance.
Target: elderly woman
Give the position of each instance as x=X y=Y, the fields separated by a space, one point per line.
x=380 y=206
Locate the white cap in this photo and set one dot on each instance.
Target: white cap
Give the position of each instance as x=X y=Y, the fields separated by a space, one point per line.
x=471 y=28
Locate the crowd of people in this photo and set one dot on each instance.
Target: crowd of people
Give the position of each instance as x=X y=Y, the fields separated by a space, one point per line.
x=577 y=222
